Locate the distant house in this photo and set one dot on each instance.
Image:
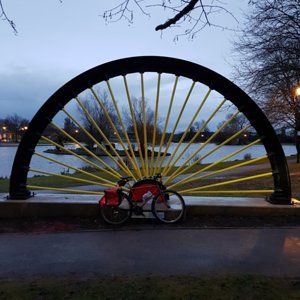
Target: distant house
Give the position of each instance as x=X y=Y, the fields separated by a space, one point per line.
x=5 y=136
x=8 y=136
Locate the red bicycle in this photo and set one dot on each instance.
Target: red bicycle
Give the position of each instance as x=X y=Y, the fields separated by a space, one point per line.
x=117 y=205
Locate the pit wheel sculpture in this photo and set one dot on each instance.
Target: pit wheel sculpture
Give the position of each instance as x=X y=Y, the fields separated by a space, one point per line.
x=135 y=117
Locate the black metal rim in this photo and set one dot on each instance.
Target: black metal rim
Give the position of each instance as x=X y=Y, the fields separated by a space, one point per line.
x=157 y=64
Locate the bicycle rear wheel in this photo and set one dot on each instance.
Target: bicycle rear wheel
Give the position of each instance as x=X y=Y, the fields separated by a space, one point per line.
x=119 y=214
x=168 y=206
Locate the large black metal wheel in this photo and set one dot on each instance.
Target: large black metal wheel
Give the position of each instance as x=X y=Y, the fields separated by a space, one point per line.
x=149 y=106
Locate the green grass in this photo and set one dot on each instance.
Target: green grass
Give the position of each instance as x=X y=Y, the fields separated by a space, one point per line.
x=246 y=287
x=4 y=185
x=262 y=183
x=54 y=181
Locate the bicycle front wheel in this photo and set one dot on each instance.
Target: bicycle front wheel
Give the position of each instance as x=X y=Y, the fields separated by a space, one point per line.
x=168 y=206
x=117 y=214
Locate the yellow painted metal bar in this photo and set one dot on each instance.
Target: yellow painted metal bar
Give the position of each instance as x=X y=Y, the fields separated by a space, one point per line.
x=227 y=182
x=194 y=138
x=222 y=144
x=134 y=125
x=144 y=125
x=118 y=176
x=73 y=168
x=207 y=154
x=120 y=162
x=192 y=177
x=132 y=157
x=99 y=145
x=222 y=160
x=156 y=168
x=231 y=155
x=218 y=161
x=242 y=164
x=177 y=122
x=114 y=129
x=214 y=149
x=71 y=178
x=78 y=156
x=122 y=165
x=155 y=125
x=82 y=147
x=180 y=169
x=186 y=131
x=36 y=187
x=231 y=192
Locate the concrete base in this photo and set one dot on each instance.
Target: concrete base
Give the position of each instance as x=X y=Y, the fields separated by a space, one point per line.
x=70 y=205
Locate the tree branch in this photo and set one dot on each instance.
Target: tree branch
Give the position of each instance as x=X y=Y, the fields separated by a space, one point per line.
x=177 y=17
x=4 y=17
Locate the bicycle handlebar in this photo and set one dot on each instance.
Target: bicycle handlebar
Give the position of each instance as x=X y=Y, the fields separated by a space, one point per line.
x=124 y=180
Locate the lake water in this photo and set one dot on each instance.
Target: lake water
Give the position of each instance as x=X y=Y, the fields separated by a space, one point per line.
x=7 y=155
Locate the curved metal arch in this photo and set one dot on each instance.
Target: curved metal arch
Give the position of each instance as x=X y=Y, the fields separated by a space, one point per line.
x=156 y=64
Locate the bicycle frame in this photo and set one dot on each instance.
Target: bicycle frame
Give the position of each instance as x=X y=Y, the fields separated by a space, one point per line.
x=115 y=210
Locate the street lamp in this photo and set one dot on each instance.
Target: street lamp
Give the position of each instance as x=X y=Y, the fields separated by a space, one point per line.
x=297 y=118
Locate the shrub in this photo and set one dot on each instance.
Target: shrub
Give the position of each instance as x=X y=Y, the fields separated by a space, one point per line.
x=247 y=156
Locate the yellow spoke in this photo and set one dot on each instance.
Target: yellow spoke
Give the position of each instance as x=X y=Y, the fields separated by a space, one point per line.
x=227 y=182
x=36 y=187
x=144 y=125
x=116 y=175
x=177 y=122
x=114 y=129
x=221 y=160
x=183 y=167
x=84 y=148
x=229 y=192
x=156 y=168
x=186 y=131
x=193 y=177
x=209 y=153
x=70 y=167
x=134 y=124
x=72 y=178
x=133 y=162
x=155 y=125
x=122 y=165
x=242 y=164
x=101 y=147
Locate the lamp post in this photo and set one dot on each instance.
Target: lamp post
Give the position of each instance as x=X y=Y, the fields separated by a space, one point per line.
x=297 y=118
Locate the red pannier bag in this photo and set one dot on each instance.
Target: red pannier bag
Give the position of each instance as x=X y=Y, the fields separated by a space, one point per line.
x=111 y=197
x=142 y=187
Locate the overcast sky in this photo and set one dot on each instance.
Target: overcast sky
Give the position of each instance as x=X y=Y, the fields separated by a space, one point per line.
x=57 y=41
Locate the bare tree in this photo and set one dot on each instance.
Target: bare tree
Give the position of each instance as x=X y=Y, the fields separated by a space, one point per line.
x=191 y=15
x=16 y=125
x=269 y=57
x=238 y=123
x=137 y=105
x=97 y=114
x=199 y=124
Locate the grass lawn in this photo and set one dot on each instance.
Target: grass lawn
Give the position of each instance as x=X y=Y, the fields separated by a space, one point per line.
x=246 y=287
x=258 y=184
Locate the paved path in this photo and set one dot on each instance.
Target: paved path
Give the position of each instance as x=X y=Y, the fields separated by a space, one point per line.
x=185 y=251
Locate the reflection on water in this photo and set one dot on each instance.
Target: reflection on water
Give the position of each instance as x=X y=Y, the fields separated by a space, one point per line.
x=7 y=155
